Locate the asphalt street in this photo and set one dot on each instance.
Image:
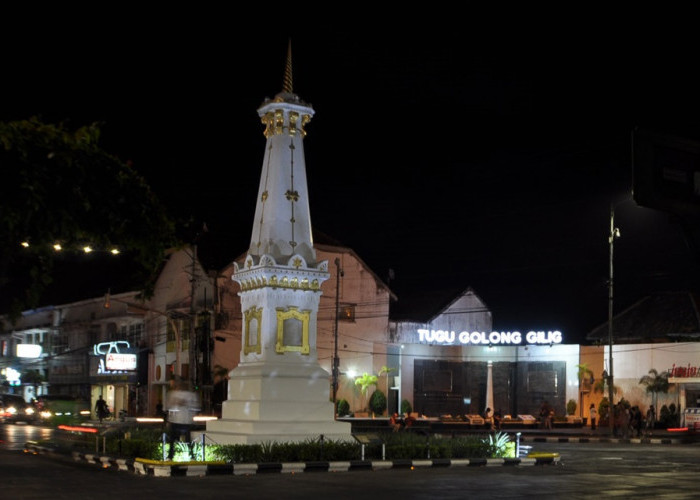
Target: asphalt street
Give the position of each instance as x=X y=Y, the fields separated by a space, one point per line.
x=586 y=470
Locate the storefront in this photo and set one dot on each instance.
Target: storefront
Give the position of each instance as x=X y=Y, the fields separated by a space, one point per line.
x=687 y=379
x=509 y=372
x=114 y=375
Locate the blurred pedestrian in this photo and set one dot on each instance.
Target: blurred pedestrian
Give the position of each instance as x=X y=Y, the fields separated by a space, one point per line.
x=624 y=421
x=395 y=422
x=183 y=405
x=488 y=418
x=592 y=414
x=497 y=417
x=101 y=408
x=650 y=420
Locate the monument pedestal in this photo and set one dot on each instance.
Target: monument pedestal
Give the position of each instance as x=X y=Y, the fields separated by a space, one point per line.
x=277 y=402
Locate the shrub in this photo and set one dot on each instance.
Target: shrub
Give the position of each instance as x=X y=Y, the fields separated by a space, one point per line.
x=343 y=407
x=309 y=450
x=377 y=402
x=406 y=406
x=571 y=407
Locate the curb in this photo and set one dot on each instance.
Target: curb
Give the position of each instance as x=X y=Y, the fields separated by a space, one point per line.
x=559 y=439
x=169 y=469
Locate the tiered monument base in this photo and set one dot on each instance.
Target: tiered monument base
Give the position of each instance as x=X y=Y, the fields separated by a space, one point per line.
x=277 y=402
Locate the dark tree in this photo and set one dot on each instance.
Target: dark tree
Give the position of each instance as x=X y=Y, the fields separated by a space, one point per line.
x=58 y=185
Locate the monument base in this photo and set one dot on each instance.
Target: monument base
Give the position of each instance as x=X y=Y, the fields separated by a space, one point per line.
x=278 y=402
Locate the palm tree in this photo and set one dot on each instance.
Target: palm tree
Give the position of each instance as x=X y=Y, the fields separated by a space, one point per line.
x=655 y=383
x=364 y=382
x=601 y=386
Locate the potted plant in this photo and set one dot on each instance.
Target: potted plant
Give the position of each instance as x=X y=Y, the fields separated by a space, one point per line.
x=571 y=417
x=377 y=402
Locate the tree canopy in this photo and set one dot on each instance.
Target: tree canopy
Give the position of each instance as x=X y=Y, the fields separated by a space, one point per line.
x=59 y=186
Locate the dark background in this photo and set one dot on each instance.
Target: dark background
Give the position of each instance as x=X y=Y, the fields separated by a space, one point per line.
x=480 y=150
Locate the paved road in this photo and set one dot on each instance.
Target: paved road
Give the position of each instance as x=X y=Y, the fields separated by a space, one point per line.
x=590 y=470
x=14 y=436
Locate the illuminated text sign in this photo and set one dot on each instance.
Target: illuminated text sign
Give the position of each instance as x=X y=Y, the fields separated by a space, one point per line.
x=684 y=371
x=450 y=337
x=120 y=362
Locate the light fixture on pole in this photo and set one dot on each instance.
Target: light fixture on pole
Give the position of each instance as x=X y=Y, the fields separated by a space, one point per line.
x=614 y=233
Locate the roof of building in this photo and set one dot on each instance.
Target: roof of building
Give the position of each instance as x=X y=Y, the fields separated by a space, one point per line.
x=659 y=317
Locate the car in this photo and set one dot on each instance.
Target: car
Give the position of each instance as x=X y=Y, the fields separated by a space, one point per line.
x=14 y=408
x=62 y=409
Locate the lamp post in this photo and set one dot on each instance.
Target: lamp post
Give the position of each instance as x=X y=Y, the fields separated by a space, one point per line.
x=614 y=233
x=336 y=361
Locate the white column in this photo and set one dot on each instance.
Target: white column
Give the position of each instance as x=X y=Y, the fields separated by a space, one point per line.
x=489 y=387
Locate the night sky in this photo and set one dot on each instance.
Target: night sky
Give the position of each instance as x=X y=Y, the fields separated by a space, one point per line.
x=483 y=154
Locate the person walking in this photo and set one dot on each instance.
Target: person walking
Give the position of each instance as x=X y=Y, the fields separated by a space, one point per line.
x=488 y=418
x=183 y=405
x=101 y=408
x=592 y=414
x=650 y=420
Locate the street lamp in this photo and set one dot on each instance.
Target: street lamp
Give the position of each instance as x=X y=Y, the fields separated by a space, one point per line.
x=614 y=233
x=336 y=360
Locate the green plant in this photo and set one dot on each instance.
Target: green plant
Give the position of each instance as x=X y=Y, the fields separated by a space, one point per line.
x=655 y=383
x=364 y=382
x=377 y=402
x=668 y=417
x=497 y=444
x=604 y=412
x=343 y=407
x=406 y=406
x=571 y=407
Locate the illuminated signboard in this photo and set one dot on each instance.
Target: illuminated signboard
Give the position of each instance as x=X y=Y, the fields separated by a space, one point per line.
x=120 y=362
x=450 y=337
x=684 y=371
x=113 y=359
x=28 y=351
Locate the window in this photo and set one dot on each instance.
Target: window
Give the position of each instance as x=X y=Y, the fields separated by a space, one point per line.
x=346 y=312
x=59 y=342
x=94 y=334
x=183 y=328
x=112 y=332
x=135 y=333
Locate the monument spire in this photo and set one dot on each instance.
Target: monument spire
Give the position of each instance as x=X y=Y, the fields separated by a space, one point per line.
x=287 y=82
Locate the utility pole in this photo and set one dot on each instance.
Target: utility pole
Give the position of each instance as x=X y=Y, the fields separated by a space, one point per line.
x=614 y=233
x=336 y=361
x=194 y=358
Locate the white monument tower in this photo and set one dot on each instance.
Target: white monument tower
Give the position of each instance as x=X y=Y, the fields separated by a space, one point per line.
x=279 y=392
